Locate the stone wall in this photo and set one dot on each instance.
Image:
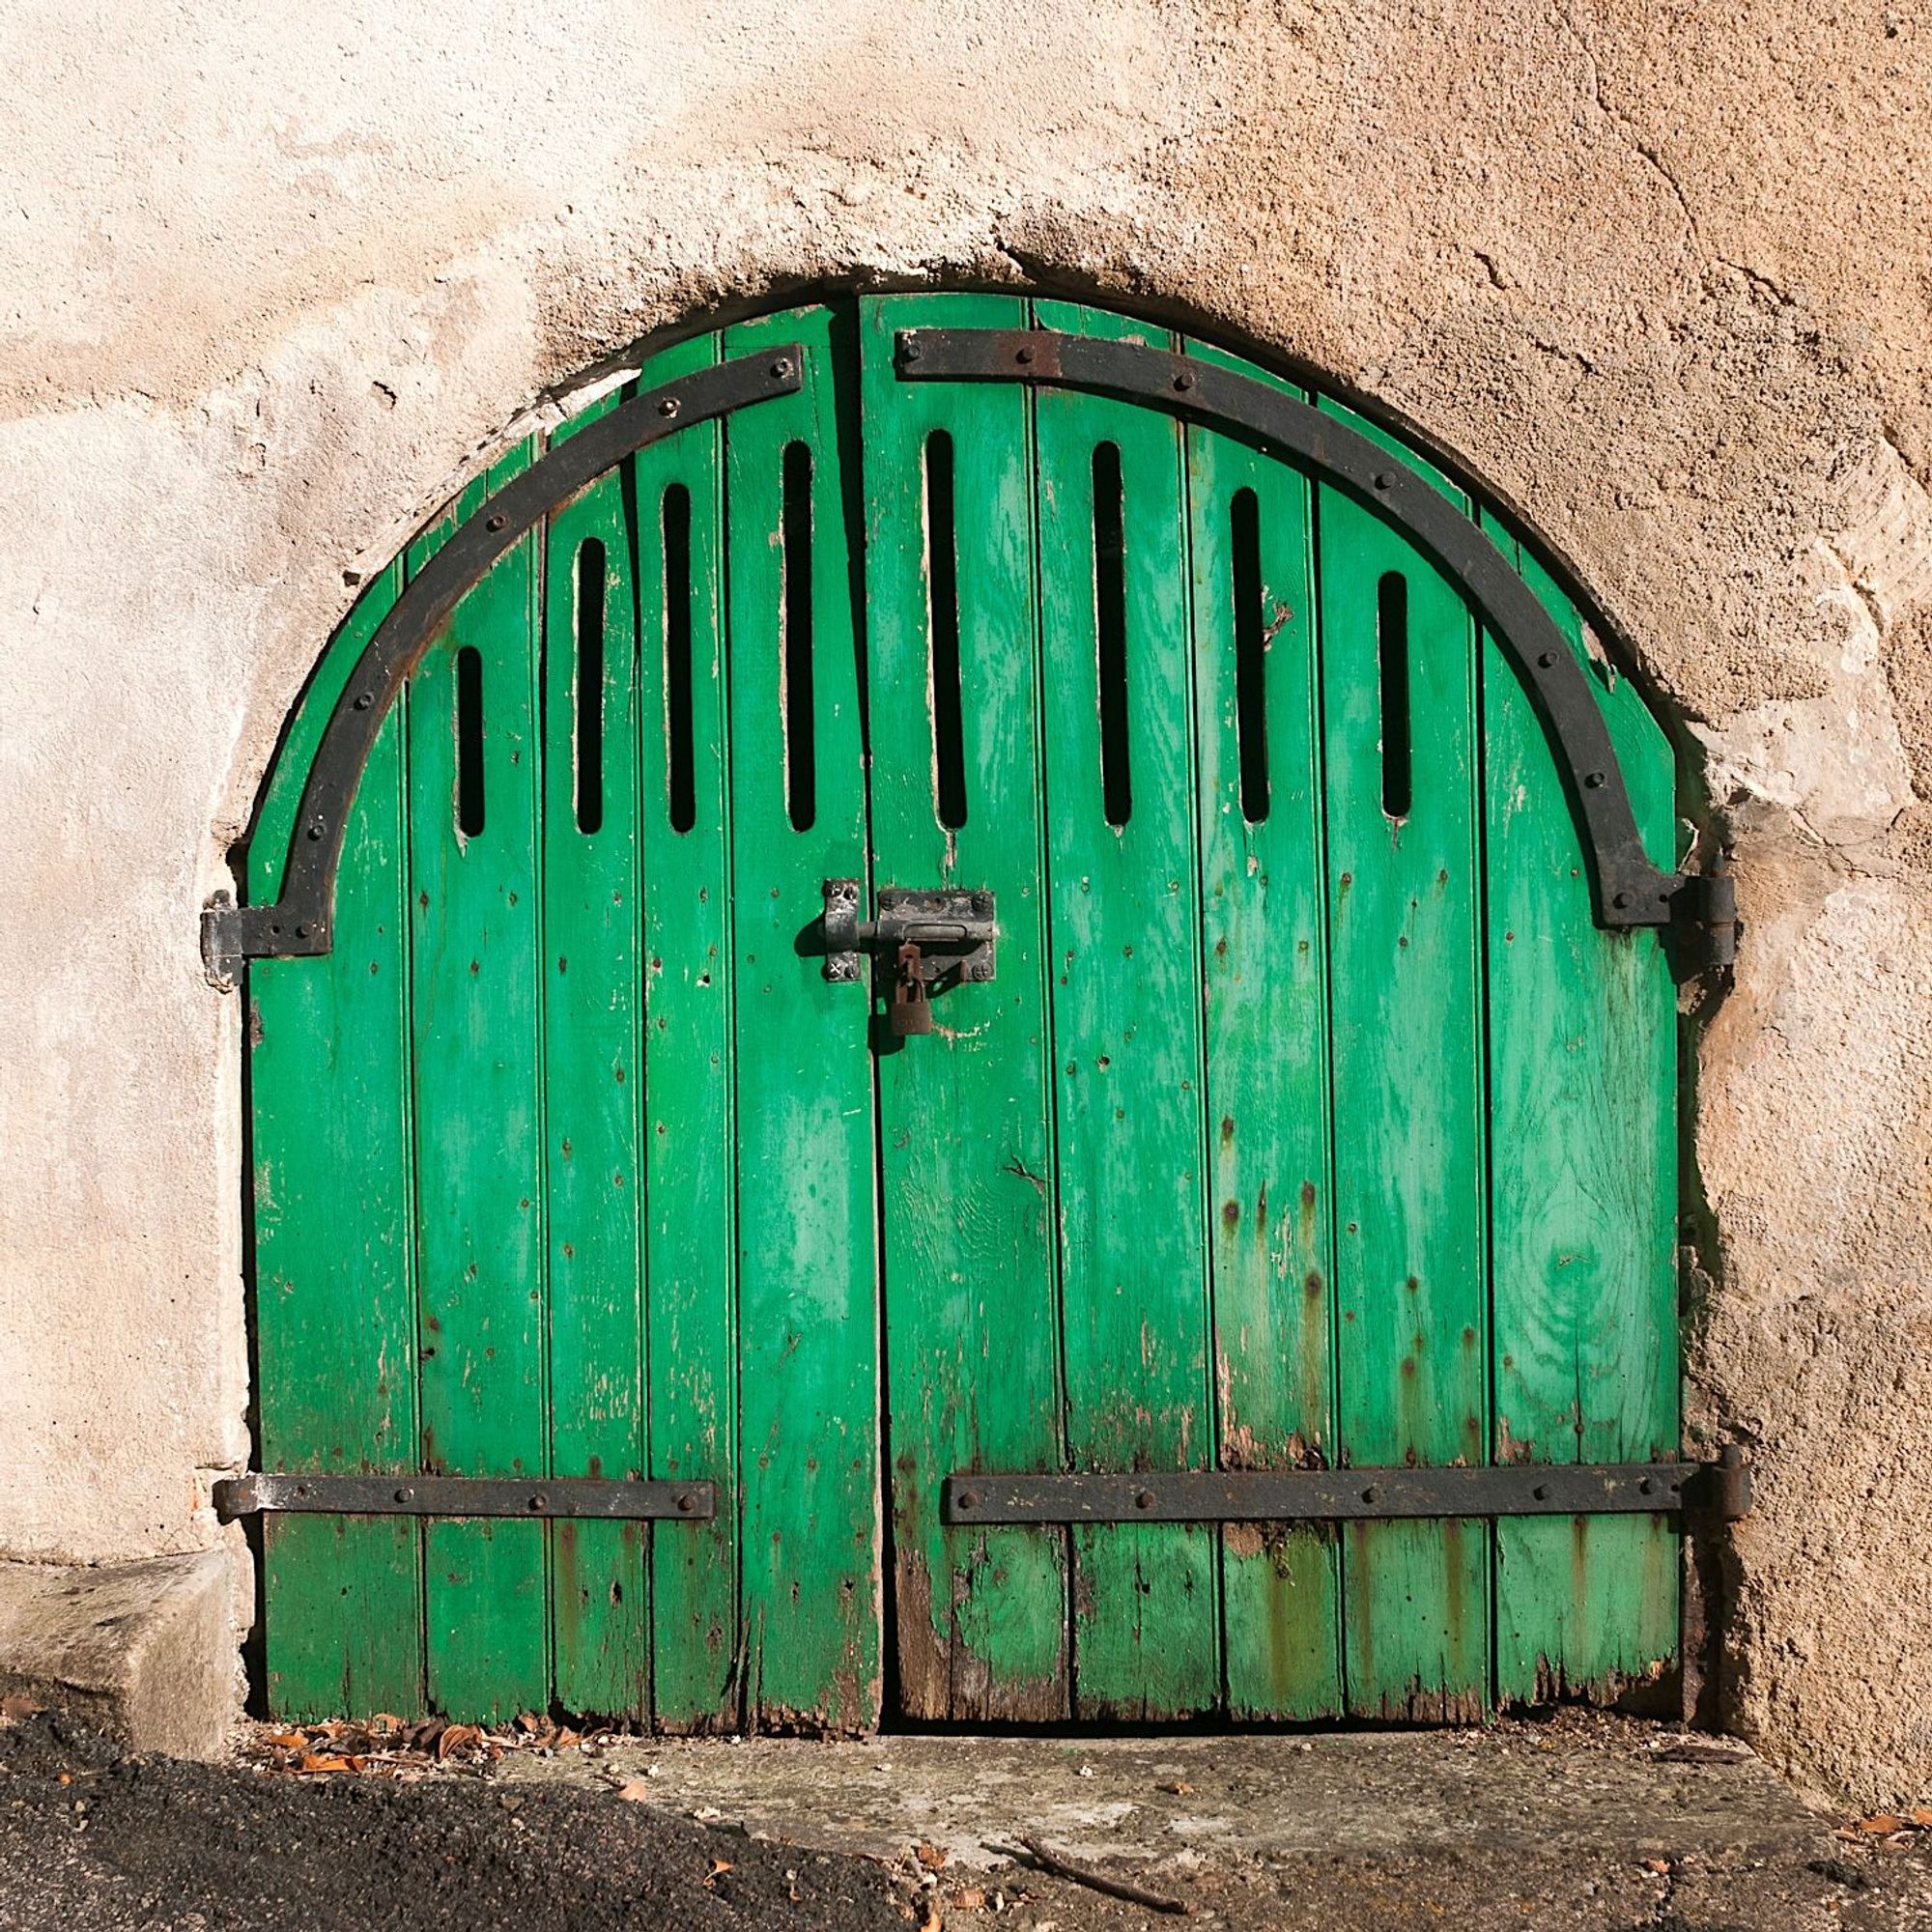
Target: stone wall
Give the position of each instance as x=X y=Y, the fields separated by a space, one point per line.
x=1660 y=274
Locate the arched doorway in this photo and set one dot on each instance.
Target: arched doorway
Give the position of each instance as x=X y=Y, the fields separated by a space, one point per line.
x=993 y=1027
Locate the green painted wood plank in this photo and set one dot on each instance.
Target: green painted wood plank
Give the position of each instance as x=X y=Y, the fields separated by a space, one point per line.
x=1123 y=927
x=1263 y=948
x=806 y=1194
x=965 y=1133
x=328 y=1086
x=478 y=1146
x=592 y=1019
x=1409 y=1115
x=689 y=1137
x=1583 y=1204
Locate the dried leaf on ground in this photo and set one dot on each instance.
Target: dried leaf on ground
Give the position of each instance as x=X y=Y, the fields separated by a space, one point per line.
x=634 y=1790
x=930 y=1856
x=325 y=1761
x=454 y=1737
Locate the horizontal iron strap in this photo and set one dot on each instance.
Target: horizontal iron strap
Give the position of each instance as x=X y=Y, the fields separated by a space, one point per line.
x=1329 y=1496
x=463 y=1495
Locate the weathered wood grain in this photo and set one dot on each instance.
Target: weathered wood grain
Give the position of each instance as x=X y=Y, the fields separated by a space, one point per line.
x=965 y=1136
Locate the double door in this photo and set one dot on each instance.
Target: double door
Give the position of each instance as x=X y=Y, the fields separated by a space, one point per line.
x=1275 y=1104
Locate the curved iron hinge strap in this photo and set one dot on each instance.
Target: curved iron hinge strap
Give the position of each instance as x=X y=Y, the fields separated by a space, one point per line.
x=1629 y=889
x=300 y=921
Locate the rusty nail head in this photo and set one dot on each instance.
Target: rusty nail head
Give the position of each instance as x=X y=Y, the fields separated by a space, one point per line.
x=686 y=1501
x=363 y=699
x=1184 y=381
x=317 y=827
x=539 y=1500
x=1593 y=780
x=909 y=349
x=405 y=1494
x=967 y=1499
x=1546 y=659
x=1371 y=1495
x=497 y=522
x=669 y=407
x=1385 y=480
x=1620 y=900
x=1023 y=353
x=1143 y=1500
x=781 y=368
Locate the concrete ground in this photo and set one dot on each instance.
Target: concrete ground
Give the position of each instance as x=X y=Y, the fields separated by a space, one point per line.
x=1583 y=1821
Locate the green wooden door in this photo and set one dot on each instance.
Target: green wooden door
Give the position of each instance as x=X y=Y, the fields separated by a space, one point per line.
x=1309 y=1120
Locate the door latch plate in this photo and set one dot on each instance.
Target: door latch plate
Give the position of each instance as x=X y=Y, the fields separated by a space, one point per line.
x=955 y=932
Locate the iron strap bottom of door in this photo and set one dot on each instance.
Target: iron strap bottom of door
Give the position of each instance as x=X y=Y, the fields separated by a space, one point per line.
x=463 y=1495
x=1329 y=1496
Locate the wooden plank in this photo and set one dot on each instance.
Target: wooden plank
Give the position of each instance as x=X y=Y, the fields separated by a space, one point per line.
x=1125 y=940
x=1263 y=951
x=592 y=1019
x=980 y=1615
x=335 y=1323
x=689 y=1143
x=478 y=1135
x=806 y=1199
x=1584 y=1201
x=1404 y=949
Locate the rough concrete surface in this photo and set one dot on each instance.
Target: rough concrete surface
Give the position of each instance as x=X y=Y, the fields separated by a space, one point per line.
x=144 y=1651
x=1660 y=273
x=1597 y=1825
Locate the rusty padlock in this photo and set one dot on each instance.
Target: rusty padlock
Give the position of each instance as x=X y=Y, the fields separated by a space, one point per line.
x=912 y=1004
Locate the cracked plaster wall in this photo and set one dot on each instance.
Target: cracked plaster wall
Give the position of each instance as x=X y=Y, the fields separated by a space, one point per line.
x=1659 y=273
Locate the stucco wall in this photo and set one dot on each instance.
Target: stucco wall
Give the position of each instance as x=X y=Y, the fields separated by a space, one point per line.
x=1660 y=273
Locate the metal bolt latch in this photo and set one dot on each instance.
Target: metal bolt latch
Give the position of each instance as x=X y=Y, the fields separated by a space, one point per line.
x=921 y=943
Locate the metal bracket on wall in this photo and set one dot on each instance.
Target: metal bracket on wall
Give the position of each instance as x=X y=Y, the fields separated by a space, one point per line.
x=1704 y=918
x=260 y=1492
x=1721 y=1489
